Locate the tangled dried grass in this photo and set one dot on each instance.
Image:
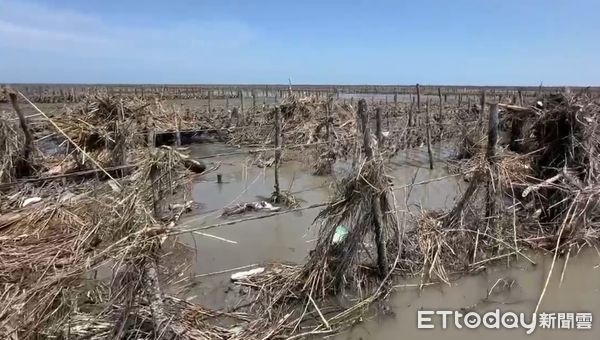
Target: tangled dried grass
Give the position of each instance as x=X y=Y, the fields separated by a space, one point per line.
x=331 y=265
x=51 y=252
x=11 y=144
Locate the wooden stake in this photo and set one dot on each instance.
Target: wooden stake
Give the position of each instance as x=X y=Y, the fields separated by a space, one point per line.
x=328 y=108
x=277 y=150
x=377 y=212
x=209 y=101
x=266 y=95
x=378 y=130
x=520 y=98
x=482 y=111
x=492 y=187
x=151 y=137
x=418 y=98
x=241 y=95
x=441 y=114
x=28 y=147
x=428 y=129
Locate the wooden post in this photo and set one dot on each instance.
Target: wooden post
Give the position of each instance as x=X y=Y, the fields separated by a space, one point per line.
x=378 y=128
x=156 y=194
x=520 y=98
x=387 y=119
x=328 y=108
x=253 y=100
x=209 y=101
x=411 y=109
x=241 y=102
x=266 y=95
x=441 y=114
x=376 y=205
x=119 y=150
x=428 y=130
x=235 y=114
x=493 y=185
x=516 y=132
x=277 y=192
x=492 y=133
x=482 y=105
x=178 y=137
x=151 y=137
x=226 y=101
x=410 y=115
x=28 y=147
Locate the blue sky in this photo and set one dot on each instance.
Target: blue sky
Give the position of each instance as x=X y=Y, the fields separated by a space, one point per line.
x=492 y=42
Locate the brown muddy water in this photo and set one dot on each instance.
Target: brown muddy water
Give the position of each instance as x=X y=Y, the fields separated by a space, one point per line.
x=289 y=237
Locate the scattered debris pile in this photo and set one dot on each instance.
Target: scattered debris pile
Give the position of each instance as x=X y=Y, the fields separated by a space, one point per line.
x=543 y=195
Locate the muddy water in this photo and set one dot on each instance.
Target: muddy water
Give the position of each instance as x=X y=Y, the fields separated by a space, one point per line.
x=289 y=237
x=518 y=291
x=284 y=238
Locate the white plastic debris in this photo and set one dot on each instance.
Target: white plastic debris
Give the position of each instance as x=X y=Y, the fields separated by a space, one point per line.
x=341 y=232
x=114 y=186
x=67 y=196
x=252 y=206
x=242 y=275
x=31 y=200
